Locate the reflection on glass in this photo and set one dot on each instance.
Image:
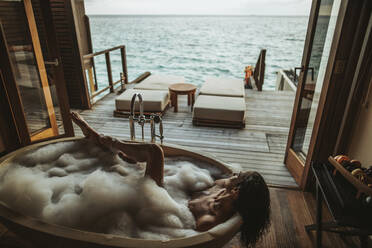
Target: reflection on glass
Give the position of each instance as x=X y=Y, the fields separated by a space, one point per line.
x=25 y=67
x=324 y=32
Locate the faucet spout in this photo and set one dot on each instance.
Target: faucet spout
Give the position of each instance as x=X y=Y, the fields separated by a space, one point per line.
x=141 y=119
x=132 y=104
x=158 y=119
x=161 y=131
x=152 y=123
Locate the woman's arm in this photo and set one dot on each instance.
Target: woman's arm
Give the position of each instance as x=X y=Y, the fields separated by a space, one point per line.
x=150 y=153
x=205 y=223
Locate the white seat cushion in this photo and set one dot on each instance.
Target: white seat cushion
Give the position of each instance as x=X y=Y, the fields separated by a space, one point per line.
x=153 y=100
x=223 y=87
x=219 y=108
x=159 y=82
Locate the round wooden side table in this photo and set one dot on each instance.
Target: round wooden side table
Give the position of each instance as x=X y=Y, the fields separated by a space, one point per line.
x=182 y=89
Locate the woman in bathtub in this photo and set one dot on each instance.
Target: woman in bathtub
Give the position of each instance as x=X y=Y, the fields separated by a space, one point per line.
x=245 y=193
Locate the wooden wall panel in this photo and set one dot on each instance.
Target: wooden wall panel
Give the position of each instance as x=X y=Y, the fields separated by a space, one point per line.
x=67 y=39
x=81 y=29
x=2 y=147
x=13 y=25
x=80 y=35
x=41 y=30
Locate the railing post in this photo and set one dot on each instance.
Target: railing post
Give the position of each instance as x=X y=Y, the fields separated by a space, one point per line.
x=109 y=72
x=262 y=68
x=124 y=63
x=122 y=82
x=90 y=46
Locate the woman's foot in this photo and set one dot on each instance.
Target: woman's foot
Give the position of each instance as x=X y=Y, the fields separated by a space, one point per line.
x=127 y=159
x=92 y=135
x=88 y=132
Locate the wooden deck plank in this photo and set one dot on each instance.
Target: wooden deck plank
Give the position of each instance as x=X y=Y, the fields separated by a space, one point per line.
x=259 y=146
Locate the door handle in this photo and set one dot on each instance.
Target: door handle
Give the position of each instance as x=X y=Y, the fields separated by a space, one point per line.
x=302 y=68
x=295 y=71
x=54 y=62
x=312 y=72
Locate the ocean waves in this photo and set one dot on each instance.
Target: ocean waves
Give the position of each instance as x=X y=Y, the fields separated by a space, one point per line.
x=197 y=47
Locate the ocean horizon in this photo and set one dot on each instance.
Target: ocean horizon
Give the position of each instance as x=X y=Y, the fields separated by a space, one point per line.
x=198 y=46
x=191 y=15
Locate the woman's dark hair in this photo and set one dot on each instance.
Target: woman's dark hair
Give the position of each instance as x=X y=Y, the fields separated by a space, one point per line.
x=253 y=205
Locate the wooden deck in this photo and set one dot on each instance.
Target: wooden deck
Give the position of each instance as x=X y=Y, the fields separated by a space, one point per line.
x=260 y=146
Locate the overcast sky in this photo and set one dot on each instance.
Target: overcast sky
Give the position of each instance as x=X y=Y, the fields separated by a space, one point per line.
x=199 y=7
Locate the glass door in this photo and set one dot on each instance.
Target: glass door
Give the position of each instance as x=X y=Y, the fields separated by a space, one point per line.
x=26 y=59
x=313 y=69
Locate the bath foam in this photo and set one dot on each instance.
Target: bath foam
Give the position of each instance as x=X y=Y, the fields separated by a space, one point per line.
x=84 y=186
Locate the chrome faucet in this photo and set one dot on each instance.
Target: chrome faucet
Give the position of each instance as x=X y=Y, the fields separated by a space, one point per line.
x=153 y=119
x=140 y=120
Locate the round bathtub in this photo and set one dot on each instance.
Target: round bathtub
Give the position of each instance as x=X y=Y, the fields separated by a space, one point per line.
x=43 y=234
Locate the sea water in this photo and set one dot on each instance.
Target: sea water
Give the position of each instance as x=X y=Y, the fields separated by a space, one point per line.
x=198 y=46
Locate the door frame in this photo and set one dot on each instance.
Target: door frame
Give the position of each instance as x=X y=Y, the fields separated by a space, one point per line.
x=346 y=45
x=53 y=130
x=293 y=162
x=12 y=108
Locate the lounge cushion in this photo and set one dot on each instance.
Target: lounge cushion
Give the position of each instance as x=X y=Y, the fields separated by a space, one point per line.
x=159 y=82
x=153 y=100
x=223 y=87
x=219 y=108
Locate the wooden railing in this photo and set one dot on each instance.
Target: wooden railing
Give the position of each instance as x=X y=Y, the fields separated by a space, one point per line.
x=259 y=70
x=285 y=81
x=89 y=67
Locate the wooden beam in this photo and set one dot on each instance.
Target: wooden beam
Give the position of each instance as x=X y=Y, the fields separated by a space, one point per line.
x=259 y=70
x=71 y=6
x=90 y=48
x=109 y=71
x=91 y=55
x=141 y=77
x=124 y=63
x=58 y=73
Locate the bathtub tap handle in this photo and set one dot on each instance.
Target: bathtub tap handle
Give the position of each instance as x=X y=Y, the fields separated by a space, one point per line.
x=161 y=130
x=142 y=124
x=153 y=135
x=132 y=128
x=157 y=119
x=141 y=119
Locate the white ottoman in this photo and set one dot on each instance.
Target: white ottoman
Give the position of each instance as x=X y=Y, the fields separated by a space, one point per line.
x=215 y=86
x=219 y=111
x=159 y=82
x=153 y=100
